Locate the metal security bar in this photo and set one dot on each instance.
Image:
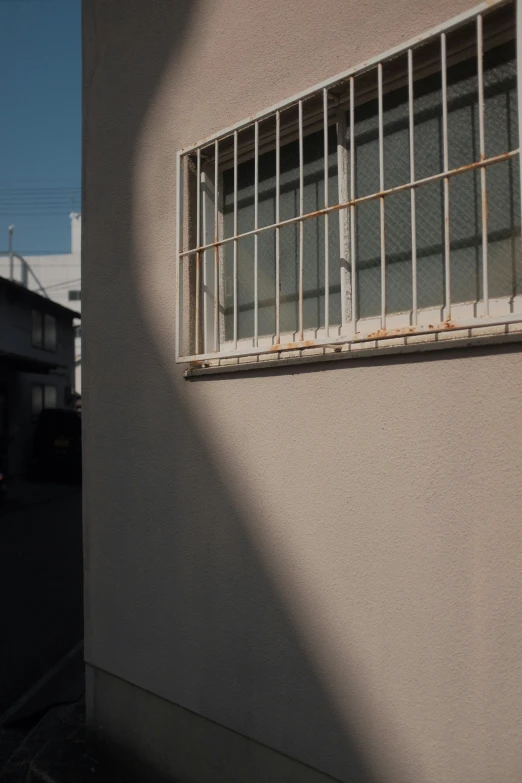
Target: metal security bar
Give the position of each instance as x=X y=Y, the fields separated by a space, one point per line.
x=201 y=278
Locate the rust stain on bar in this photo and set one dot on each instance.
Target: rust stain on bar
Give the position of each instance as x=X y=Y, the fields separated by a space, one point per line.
x=195 y=364
x=382 y=334
x=290 y=346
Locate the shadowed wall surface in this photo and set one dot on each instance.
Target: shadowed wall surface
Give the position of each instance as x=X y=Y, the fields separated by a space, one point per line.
x=322 y=560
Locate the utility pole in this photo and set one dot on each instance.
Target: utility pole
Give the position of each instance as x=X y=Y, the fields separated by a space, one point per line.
x=11 y=261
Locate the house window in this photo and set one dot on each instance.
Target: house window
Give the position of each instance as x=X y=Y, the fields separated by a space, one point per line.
x=37 y=329
x=49 y=332
x=75 y=296
x=50 y=396
x=43 y=330
x=385 y=202
x=43 y=396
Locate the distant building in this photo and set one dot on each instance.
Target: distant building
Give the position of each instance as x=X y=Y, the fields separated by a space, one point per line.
x=57 y=276
x=37 y=363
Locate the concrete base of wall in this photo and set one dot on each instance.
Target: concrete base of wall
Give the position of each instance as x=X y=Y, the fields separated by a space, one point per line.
x=149 y=738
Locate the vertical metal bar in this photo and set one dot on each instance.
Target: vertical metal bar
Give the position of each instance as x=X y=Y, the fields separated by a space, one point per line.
x=342 y=189
x=179 y=248
x=198 y=254
x=197 y=316
x=326 y=229
x=208 y=293
x=216 y=249
x=301 y=223
x=381 y=200
x=277 y=236
x=205 y=275
x=352 y=208
x=482 y=151
x=235 y=240
x=447 y=271
x=413 y=205
x=256 y=225
x=519 y=78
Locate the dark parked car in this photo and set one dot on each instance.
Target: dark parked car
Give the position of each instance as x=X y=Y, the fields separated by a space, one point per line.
x=57 y=452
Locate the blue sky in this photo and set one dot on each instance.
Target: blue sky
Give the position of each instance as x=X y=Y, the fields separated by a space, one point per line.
x=40 y=127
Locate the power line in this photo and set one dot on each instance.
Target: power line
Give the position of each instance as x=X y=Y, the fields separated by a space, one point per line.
x=39 y=193
x=40 y=253
x=38 y=202
x=37 y=189
x=16 y=189
x=17 y=208
x=34 y=214
x=42 y=201
x=61 y=189
x=65 y=284
x=34 y=205
x=7 y=209
x=39 y=199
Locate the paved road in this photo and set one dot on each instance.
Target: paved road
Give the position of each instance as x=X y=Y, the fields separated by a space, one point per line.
x=41 y=604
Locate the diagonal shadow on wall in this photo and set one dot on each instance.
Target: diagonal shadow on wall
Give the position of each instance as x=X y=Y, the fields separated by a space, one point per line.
x=179 y=599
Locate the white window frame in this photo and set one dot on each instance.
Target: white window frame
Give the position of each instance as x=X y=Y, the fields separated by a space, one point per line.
x=207 y=250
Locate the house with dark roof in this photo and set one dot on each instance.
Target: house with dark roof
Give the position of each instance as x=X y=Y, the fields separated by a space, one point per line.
x=36 y=367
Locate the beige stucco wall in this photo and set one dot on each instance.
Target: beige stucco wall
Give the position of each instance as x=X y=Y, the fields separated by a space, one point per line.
x=326 y=561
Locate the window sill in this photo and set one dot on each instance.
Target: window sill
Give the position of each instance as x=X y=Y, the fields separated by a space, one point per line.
x=460 y=338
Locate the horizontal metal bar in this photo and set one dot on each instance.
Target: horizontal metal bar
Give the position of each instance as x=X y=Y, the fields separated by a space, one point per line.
x=361 y=200
x=379 y=334
x=447 y=26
